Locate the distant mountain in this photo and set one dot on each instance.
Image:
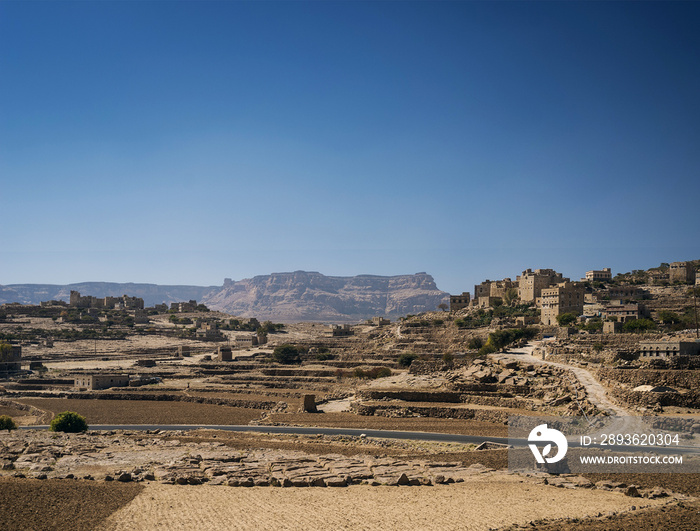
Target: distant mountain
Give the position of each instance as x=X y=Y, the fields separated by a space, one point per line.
x=311 y=296
x=297 y=296
x=150 y=293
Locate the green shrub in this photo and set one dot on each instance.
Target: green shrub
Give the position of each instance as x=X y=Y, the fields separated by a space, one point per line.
x=488 y=348
x=404 y=360
x=373 y=373
x=324 y=355
x=565 y=319
x=6 y=423
x=286 y=354
x=475 y=343
x=69 y=422
x=639 y=325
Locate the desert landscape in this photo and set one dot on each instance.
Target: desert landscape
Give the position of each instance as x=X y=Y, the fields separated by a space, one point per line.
x=204 y=419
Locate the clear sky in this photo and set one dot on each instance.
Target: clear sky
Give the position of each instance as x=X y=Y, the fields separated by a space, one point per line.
x=184 y=142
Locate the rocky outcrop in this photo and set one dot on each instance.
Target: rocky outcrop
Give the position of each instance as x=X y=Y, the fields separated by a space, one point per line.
x=288 y=297
x=311 y=296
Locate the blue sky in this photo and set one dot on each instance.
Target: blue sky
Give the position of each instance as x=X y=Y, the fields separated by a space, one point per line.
x=184 y=142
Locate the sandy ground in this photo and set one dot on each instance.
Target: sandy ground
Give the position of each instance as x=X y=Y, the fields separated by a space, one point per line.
x=479 y=504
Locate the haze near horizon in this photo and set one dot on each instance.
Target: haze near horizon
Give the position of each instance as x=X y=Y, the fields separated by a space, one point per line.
x=187 y=142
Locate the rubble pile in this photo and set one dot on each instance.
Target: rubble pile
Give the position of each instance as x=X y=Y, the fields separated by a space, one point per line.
x=121 y=456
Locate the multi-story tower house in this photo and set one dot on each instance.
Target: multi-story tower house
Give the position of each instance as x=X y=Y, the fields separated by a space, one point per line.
x=681 y=272
x=531 y=283
x=565 y=297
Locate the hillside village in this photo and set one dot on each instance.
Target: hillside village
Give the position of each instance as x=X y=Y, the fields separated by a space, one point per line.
x=622 y=344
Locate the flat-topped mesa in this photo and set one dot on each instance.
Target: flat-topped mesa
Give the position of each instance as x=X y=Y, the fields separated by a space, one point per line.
x=304 y=295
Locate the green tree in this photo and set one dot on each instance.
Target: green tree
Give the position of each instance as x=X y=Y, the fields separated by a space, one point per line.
x=404 y=360
x=667 y=317
x=510 y=296
x=6 y=423
x=5 y=351
x=286 y=354
x=639 y=325
x=68 y=422
x=565 y=319
x=475 y=343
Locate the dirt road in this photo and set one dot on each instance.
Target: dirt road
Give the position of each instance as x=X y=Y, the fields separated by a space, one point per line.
x=597 y=394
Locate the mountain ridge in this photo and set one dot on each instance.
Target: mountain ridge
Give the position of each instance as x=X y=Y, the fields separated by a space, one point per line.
x=290 y=296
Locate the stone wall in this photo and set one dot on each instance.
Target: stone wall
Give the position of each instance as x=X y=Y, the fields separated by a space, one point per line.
x=485 y=415
x=648 y=399
x=251 y=404
x=635 y=377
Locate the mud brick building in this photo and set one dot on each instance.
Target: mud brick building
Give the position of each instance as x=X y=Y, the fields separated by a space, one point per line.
x=531 y=283
x=565 y=297
x=457 y=302
x=599 y=275
x=102 y=381
x=667 y=349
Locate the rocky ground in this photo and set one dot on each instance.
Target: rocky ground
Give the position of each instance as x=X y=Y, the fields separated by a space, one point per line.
x=153 y=480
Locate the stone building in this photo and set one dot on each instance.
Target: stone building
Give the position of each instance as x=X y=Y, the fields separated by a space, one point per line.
x=246 y=340
x=457 y=302
x=101 y=381
x=224 y=354
x=381 y=321
x=599 y=275
x=667 y=349
x=338 y=330
x=482 y=290
x=594 y=309
x=681 y=272
x=565 y=297
x=207 y=331
x=611 y=327
x=531 y=283
x=493 y=288
x=182 y=307
x=124 y=302
x=621 y=312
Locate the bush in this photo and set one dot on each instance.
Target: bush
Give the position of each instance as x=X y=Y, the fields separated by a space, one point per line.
x=404 y=360
x=639 y=325
x=502 y=338
x=373 y=373
x=475 y=343
x=323 y=356
x=565 y=319
x=69 y=422
x=6 y=423
x=286 y=354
